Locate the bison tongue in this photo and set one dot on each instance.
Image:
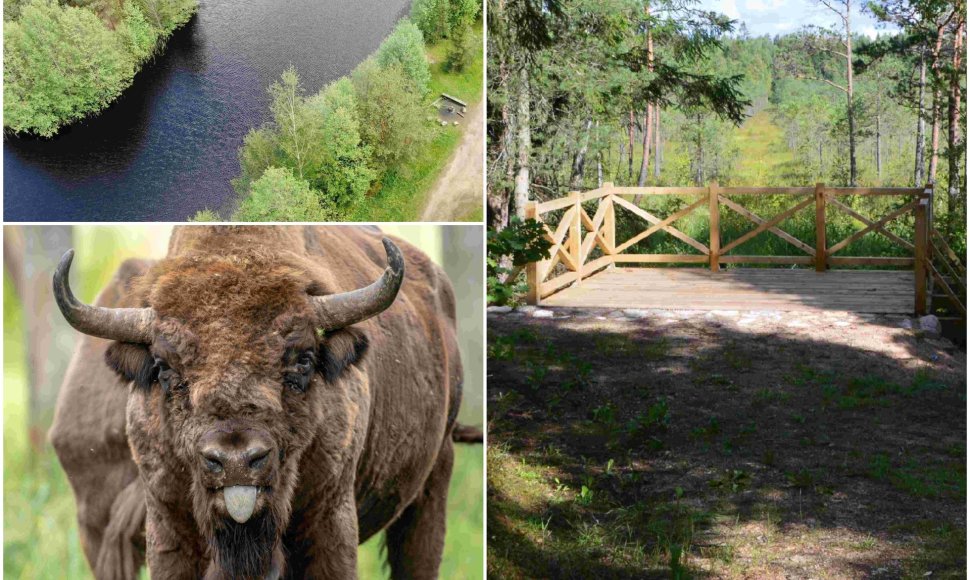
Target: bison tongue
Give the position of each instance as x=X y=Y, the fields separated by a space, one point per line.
x=240 y=501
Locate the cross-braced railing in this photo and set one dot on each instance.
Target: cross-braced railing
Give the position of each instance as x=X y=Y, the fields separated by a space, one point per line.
x=576 y=233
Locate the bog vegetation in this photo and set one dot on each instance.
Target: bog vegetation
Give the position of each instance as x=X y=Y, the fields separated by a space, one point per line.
x=321 y=154
x=667 y=94
x=63 y=61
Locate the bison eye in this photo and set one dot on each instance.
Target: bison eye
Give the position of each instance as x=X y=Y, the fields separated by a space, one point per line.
x=167 y=377
x=298 y=376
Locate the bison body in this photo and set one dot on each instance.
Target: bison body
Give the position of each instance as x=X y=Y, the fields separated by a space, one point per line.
x=262 y=411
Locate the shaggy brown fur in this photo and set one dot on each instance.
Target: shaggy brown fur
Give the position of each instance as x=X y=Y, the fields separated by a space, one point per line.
x=366 y=447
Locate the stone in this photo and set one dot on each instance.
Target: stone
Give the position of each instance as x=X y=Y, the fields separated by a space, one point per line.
x=499 y=309
x=930 y=324
x=906 y=323
x=543 y=314
x=635 y=313
x=527 y=309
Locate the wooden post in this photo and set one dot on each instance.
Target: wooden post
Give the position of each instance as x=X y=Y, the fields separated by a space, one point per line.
x=609 y=222
x=820 y=256
x=576 y=233
x=715 y=226
x=920 y=245
x=532 y=268
x=930 y=209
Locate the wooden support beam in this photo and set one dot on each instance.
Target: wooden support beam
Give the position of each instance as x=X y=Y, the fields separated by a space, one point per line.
x=770 y=223
x=869 y=222
x=715 y=225
x=921 y=210
x=758 y=220
x=820 y=254
x=882 y=221
x=532 y=268
x=576 y=233
x=655 y=220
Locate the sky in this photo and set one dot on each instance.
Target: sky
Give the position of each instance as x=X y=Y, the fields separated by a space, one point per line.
x=774 y=17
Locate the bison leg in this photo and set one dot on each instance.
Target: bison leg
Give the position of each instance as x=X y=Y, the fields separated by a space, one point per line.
x=327 y=544
x=417 y=538
x=122 y=551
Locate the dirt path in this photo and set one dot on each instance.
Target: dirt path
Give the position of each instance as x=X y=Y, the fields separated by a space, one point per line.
x=458 y=191
x=738 y=445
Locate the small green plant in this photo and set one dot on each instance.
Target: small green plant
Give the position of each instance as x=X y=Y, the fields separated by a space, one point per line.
x=731 y=481
x=604 y=414
x=509 y=250
x=585 y=496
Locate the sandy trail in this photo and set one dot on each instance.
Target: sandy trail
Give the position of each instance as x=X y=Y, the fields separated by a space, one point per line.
x=458 y=191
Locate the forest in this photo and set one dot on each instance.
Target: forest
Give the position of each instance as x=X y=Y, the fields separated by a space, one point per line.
x=323 y=154
x=63 y=61
x=665 y=93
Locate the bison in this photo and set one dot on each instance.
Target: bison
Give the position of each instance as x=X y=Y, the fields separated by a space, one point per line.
x=273 y=396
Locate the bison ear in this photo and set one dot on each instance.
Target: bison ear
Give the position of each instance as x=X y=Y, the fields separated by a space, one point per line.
x=339 y=350
x=132 y=362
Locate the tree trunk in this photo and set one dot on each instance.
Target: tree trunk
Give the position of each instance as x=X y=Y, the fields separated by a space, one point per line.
x=647 y=134
x=656 y=143
x=33 y=253
x=524 y=144
x=579 y=160
x=630 y=126
x=935 y=119
x=849 y=89
x=878 y=142
x=955 y=206
x=920 y=123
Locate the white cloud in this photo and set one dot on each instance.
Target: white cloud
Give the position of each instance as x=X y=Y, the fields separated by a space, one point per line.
x=869 y=31
x=728 y=8
x=763 y=5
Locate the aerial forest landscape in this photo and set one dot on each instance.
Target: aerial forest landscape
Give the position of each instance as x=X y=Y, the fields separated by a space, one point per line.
x=180 y=113
x=727 y=289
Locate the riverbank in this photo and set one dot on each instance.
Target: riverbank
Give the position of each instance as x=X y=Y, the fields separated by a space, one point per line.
x=406 y=193
x=65 y=63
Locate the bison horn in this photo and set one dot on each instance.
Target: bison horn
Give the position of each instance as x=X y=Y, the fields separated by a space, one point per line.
x=341 y=310
x=121 y=324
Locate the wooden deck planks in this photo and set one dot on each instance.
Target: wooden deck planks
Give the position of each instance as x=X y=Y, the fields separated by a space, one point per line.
x=888 y=292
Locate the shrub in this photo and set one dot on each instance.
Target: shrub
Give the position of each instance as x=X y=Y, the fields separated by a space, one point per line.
x=405 y=47
x=205 y=215
x=60 y=64
x=391 y=117
x=518 y=244
x=280 y=196
x=341 y=169
x=459 y=53
x=438 y=19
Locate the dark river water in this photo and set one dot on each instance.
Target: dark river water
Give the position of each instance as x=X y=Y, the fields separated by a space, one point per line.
x=167 y=148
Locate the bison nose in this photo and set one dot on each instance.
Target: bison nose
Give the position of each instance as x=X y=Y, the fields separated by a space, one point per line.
x=239 y=457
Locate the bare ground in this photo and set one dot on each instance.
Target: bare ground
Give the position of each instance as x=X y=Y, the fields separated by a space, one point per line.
x=659 y=444
x=458 y=191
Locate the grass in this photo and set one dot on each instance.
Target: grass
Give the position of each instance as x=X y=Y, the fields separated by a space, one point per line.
x=646 y=469
x=403 y=193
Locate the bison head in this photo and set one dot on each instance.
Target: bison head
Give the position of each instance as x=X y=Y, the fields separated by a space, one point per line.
x=234 y=369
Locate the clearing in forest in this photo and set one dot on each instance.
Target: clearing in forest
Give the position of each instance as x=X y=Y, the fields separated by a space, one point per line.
x=763 y=156
x=659 y=443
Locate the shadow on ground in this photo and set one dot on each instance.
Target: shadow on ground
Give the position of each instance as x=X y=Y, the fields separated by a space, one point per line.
x=688 y=446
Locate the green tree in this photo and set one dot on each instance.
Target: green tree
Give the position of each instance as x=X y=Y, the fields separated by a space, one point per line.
x=392 y=117
x=405 y=48
x=280 y=196
x=205 y=215
x=60 y=64
x=341 y=169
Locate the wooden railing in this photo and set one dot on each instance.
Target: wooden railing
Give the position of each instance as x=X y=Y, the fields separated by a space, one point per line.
x=577 y=233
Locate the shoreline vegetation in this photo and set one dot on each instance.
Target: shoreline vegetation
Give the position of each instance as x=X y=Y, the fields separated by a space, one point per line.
x=367 y=146
x=65 y=62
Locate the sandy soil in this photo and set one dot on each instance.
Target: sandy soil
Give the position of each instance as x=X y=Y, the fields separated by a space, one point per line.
x=458 y=191
x=761 y=444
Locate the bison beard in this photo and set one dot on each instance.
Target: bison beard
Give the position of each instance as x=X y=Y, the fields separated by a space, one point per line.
x=244 y=551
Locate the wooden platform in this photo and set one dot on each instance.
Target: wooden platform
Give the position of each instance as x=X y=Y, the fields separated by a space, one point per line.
x=885 y=292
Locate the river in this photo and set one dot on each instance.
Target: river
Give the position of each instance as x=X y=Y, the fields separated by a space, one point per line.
x=167 y=147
